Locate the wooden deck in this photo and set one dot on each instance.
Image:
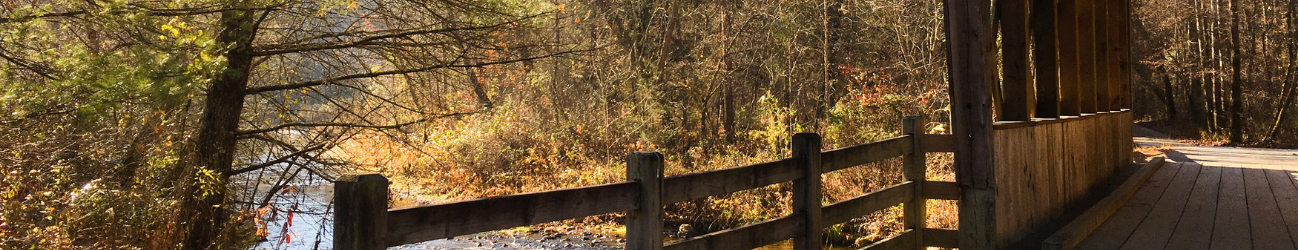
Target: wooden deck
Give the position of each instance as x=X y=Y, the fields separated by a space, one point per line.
x=1186 y=205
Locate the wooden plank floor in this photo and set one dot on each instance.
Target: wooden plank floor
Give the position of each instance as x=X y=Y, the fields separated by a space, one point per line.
x=1191 y=206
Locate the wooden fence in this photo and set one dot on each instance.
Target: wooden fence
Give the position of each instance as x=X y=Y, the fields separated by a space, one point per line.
x=363 y=221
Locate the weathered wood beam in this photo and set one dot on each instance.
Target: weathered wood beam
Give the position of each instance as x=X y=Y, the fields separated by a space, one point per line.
x=417 y=224
x=1124 y=53
x=1069 y=72
x=1086 y=55
x=745 y=237
x=1102 y=52
x=361 y=212
x=968 y=28
x=1045 y=51
x=644 y=225
x=1016 y=85
x=904 y=241
x=1072 y=234
x=703 y=184
x=944 y=238
x=866 y=153
x=937 y=143
x=844 y=211
x=806 y=191
x=915 y=169
x=941 y=190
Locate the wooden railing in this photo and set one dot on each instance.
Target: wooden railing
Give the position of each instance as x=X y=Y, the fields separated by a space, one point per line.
x=362 y=220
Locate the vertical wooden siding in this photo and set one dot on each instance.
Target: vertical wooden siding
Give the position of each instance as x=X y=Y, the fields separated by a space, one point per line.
x=1044 y=168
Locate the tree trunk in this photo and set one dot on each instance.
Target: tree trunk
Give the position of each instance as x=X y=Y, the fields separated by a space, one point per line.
x=729 y=81
x=1236 y=86
x=1288 y=89
x=206 y=191
x=1169 y=97
x=1194 y=73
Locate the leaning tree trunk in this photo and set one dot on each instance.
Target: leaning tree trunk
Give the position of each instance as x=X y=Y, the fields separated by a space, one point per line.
x=1288 y=89
x=205 y=207
x=1236 y=85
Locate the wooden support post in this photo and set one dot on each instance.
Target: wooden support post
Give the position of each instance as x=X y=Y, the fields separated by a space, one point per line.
x=644 y=225
x=1124 y=54
x=1086 y=54
x=806 y=190
x=1102 y=56
x=360 y=212
x=967 y=27
x=1044 y=48
x=1068 y=61
x=1016 y=87
x=915 y=170
x=1113 y=16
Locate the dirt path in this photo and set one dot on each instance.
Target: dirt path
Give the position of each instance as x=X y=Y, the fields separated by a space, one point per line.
x=1262 y=158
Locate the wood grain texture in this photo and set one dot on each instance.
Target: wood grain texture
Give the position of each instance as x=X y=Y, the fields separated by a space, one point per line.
x=941 y=190
x=1116 y=29
x=904 y=241
x=1194 y=231
x=1102 y=53
x=944 y=238
x=1086 y=55
x=644 y=224
x=1044 y=168
x=1265 y=221
x=1074 y=232
x=1068 y=60
x=1286 y=198
x=970 y=38
x=360 y=212
x=1155 y=231
x=745 y=237
x=843 y=211
x=937 y=143
x=915 y=171
x=417 y=224
x=866 y=153
x=806 y=191
x=1045 y=58
x=1230 y=229
x=680 y=188
x=1016 y=82
x=1118 y=227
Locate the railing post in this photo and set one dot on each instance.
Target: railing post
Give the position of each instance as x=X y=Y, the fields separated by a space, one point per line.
x=644 y=225
x=806 y=190
x=916 y=172
x=360 y=212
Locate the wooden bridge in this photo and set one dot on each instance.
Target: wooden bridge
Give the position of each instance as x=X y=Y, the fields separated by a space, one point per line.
x=1037 y=142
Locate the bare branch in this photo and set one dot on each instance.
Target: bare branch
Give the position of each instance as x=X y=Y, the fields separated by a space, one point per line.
x=349 y=125
x=282 y=159
x=400 y=71
x=299 y=48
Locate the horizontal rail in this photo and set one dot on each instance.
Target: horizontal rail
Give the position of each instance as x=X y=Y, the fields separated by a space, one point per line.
x=861 y=205
x=904 y=241
x=941 y=190
x=745 y=237
x=717 y=182
x=937 y=143
x=865 y=153
x=944 y=238
x=417 y=224
x=1003 y=125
